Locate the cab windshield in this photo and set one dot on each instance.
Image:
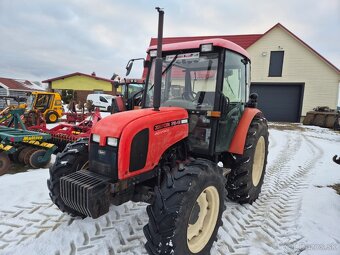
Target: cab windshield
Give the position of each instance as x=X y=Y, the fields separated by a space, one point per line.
x=30 y=101
x=188 y=81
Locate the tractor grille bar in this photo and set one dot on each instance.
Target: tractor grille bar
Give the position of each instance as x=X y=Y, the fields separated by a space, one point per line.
x=86 y=192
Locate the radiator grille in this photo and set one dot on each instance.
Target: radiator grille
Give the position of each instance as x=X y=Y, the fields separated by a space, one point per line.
x=103 y=161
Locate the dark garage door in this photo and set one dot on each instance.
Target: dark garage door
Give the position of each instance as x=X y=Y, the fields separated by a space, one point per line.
x=279 y=102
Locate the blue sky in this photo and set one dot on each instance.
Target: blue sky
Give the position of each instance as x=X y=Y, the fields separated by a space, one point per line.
x=40 y=39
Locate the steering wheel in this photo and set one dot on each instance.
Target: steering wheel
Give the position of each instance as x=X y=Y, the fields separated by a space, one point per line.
x=189 y=96
x=137 y=98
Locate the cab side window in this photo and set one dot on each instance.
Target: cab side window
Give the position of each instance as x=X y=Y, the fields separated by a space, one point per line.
x=43 y=100
x=234 y=79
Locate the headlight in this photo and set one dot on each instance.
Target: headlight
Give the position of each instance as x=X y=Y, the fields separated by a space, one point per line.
x=206 y=47
x=112 y=141
x=96 y=138
x=153 y=53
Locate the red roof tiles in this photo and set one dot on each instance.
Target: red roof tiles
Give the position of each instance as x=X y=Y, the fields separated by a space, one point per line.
x=23 y=85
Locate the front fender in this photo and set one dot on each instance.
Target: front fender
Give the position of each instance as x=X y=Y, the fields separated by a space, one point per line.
x=239 y=139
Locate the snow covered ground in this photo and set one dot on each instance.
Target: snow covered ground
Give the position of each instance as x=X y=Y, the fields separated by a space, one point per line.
x=296 y=213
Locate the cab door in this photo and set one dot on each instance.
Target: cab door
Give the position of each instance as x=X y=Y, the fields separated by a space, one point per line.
x=234 y=87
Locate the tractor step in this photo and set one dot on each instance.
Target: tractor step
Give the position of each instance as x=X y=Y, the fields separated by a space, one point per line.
x=86 y=192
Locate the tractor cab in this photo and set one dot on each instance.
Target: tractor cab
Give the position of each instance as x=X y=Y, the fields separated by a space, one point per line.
x=210 y=79
x=131 y=91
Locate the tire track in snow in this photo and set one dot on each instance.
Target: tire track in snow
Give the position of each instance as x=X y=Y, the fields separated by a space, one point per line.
x=27 y=222
x=268 y=226
x=118 y=232
x=106 y=235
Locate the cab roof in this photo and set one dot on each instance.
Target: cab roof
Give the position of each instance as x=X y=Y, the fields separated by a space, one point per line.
x=196 y=45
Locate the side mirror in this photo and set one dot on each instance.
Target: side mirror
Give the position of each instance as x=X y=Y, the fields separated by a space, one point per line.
x=252 y=102
x=129 y=67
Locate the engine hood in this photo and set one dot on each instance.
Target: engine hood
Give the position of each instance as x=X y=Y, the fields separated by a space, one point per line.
x=113 y=125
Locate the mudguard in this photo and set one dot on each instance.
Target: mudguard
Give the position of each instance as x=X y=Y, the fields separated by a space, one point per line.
x=239 y=139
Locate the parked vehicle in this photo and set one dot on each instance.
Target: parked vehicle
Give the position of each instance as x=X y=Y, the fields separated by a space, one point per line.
x=167 y=153
x=49 y=104
x=102 y=101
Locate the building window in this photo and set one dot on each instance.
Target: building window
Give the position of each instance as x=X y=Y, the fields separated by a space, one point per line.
x=276 y=63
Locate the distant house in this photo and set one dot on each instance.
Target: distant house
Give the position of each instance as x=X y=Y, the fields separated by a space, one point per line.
x=17 y=87
x=290 y=77
x=83 y=84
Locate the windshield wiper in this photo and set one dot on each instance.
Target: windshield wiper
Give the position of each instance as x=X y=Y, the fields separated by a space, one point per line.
x=167 y=68
x=170 y=64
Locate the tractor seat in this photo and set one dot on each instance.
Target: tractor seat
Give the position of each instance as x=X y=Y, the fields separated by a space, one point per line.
x=118 y=104
x=205 y=97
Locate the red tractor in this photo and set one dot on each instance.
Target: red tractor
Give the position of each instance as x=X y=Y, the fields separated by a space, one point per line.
x=194 y=115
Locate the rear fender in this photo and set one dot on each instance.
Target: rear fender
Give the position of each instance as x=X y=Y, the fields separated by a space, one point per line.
x=239 y=139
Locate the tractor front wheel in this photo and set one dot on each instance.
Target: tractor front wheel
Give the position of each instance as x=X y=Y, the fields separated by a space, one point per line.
x=247 y=171
x=51 y=117
x=187 y=210
x=4 y=163
x=73 y=158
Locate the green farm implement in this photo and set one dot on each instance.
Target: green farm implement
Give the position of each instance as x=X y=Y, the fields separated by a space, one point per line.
x=19 y=145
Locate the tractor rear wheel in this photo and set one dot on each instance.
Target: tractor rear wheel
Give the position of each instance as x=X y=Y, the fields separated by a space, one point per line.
x=5 y=163
x=35 y=159
x=186 y=213
x=51 y=117
x=247 y=171
x=73 y=158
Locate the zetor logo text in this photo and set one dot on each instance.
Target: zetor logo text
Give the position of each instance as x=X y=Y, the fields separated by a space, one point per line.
x=167 y=124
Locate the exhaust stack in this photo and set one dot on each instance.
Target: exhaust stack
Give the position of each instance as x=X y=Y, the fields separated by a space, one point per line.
x=158 y=61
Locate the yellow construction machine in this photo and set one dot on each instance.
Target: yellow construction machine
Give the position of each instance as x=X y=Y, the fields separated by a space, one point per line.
x=49 y=104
